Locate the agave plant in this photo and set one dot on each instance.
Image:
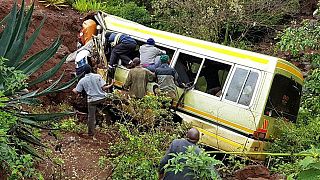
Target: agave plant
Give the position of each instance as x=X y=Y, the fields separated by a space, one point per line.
x=13 y=77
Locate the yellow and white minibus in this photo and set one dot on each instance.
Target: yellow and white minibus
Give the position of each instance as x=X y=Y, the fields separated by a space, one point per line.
x=237 y=95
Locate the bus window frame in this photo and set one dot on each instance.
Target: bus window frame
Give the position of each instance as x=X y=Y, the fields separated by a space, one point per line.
x=223 y=90
x=173 y=63
x=255 y=90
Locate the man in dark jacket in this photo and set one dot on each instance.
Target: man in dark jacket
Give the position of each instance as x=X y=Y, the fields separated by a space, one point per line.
x=178 y=146
x=167 y=78
x=123 y=45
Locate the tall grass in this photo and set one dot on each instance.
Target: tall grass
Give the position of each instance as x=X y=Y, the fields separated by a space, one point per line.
x=84 y=6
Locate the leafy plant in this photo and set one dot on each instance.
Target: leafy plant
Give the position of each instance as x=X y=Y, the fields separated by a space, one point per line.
x=201 y=165
x=136 y=154
x=84 y=6
x=70 y=125
x=299 y=40
x=102 y=162
x=149 y=111
x=17 y=136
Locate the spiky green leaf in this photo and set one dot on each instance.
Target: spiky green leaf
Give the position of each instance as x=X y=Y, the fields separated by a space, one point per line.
x=8 y=31
x=38 y=63
x=49 y=73
x=45 y=116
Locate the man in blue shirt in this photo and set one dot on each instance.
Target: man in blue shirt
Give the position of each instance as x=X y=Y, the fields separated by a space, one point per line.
x=123 y=45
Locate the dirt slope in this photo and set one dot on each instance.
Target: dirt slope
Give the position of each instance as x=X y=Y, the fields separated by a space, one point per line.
x=64 y=23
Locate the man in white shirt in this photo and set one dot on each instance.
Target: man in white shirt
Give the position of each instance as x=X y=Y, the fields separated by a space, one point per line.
x=95 y=87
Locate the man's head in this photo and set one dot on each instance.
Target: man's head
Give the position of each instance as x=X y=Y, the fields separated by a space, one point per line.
x=136 y=61
x=151 y=41
x=164 y=59
x=87 y=69
x=193 y=135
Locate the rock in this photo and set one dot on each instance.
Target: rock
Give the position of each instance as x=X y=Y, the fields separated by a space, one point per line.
x=254 y=172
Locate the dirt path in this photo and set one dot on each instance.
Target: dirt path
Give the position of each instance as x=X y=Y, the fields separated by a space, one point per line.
x=76 y=156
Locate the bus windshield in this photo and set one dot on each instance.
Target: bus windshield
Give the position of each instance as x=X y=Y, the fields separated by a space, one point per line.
x=284 y=98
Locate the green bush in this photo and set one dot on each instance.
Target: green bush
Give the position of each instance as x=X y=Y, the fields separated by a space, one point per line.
x=300 y=39
x=221 y=21
x=201 y=165
x=136 y=154
x=128 y=10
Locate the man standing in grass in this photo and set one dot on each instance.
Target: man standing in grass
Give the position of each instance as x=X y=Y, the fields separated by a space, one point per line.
x=95 y=87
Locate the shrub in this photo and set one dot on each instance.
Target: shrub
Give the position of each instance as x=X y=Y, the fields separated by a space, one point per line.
x=201 y=165
x=128 y=10
x=221 y=21
x=300 y=40
x=136 y=154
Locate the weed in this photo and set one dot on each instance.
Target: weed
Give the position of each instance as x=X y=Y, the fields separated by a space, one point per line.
x=102 y=162
x=54 y=3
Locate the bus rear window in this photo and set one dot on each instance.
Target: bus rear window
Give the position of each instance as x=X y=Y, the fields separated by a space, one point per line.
x=284 y=98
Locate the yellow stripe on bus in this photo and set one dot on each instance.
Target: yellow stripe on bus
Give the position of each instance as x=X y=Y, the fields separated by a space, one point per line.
x=196 y=44
x=237 y=126
x=234 y=144
x=290 y=69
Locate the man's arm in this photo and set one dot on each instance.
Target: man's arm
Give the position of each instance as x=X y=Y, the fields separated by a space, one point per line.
x=106 y=87
x=151 y=75
x=75 y=91
x=78 y=89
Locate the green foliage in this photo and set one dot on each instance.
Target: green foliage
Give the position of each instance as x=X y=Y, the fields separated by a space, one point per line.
x=131 y=12
x=16 y=166
x=137 y=153
x=295 y=137
x=296 y=40
x=70 y=125
x=12 y=79
x=201 y=165
x=303 y=168
x=128 y=10
x=102 y=162
x=220 y=21
x=149 y=111
x=84 y=6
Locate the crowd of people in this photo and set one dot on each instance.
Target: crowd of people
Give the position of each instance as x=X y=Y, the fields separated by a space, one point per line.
x=151 y=65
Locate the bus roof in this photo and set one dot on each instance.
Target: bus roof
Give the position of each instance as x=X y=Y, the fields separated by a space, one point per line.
x=214 y=50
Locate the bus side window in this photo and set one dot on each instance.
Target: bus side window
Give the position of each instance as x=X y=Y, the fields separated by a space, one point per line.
x=187 y=67
x=212 y=77
x=242 y=86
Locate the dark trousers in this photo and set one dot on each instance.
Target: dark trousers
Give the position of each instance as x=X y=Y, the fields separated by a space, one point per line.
x=123 y=52
x=92 y=107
